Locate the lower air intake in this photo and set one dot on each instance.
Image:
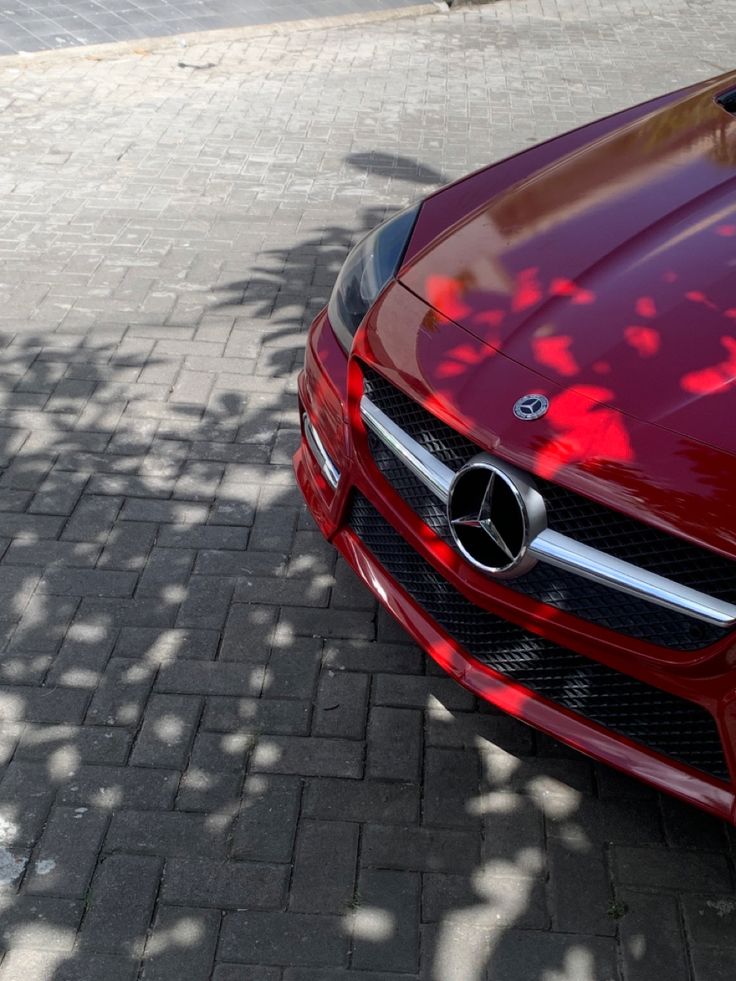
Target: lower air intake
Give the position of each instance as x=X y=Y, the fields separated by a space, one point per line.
x=661 y=721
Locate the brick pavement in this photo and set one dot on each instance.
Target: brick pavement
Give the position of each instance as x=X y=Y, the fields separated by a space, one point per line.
x=219 y=761
x=40 y=25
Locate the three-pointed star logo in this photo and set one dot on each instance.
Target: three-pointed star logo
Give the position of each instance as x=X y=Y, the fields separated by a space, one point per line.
x=483 y=520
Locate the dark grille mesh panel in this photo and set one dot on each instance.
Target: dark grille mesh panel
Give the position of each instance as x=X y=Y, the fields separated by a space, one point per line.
x=573 y=594
x=569 y=513
x=663 y=722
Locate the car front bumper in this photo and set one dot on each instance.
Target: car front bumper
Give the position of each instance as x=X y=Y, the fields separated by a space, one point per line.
x=332 y=473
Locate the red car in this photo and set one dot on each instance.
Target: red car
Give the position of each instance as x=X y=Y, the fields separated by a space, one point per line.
x=519 y=428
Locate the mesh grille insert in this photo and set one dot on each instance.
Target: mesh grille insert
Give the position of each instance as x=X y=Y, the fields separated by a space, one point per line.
x=665 y=723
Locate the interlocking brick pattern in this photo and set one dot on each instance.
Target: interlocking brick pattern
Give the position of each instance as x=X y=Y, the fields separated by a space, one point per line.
x=40 y=25
x=219 y=760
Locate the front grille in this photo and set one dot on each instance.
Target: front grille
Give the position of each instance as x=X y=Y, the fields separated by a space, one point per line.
x=663 y=722
x=578 y=518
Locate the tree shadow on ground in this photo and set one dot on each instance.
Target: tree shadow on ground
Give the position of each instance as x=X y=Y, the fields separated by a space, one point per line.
x=217 y=750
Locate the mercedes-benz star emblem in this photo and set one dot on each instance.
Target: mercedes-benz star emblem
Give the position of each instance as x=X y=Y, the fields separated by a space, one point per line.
x=531 y=407
x=494 y=513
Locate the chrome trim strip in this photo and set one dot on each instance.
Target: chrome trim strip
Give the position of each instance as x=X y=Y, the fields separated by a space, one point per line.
x=431 y=471
x=328 y=468
x=551 y=546
x=566 y=553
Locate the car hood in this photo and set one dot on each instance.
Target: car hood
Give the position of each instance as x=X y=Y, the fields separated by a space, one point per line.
x=610 y=272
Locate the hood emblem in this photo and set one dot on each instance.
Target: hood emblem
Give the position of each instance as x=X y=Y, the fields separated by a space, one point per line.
x=493 y=517
x=531 y=407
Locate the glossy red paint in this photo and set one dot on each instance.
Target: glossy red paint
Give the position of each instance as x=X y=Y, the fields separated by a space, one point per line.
x=594 y=270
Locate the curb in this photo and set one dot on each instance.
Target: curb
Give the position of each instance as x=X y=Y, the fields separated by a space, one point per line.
x=150 y=45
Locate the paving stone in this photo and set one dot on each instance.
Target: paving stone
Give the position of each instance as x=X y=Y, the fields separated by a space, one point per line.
x=174 y=834
x=656 y=868
x=135 y=612
x=338 y=974
x=209 y=678
x=521 y=954
x=419 y=849
x=206 y=882
x=67 y=853
x=711 y=919
x=158 y=646
x=122 y=693
x=470 y=729
x=451 y=788
x=492 y=895
x=329 y=623
x=206 y=604
x=368 y=800
x=513 y=833
x=278 y=938
x=110 y=787
x=209 y=792
x=403 y=691
x=241 y=972
x=120 y=904
x=652 y=941
x=292 y=671
x=33 y=965
x=280 y=592
x=394 y=749
x=48 y=554
x=91 y=520
x=182 y=944
x=249 y=633
x=167 y=731
x=392 y=896
x=255 y=715
x=266 y=826
x=625 y=822
x=83 y=657
x=688 y=828
x=713 y=963
x=580 y=890
x=44 y=623
x=26 y=796
x=167 y=569
x=323 y=880
x=341 y=705
x=347 y=655
x=310 y=756
x=40 y=923
x=83 y=582
x=48 y=706
x=128 y=546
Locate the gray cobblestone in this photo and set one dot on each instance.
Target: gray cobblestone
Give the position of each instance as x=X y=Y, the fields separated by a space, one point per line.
x=224 y=885
x=390 y=730
x=266 y=827
x=33 y=965
x=323 y=880
x=310 y=756
x=120 y=904
x=67 y=853
x=167 y=731
x=276 y=938
x=397 y=894
x=192 y=953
